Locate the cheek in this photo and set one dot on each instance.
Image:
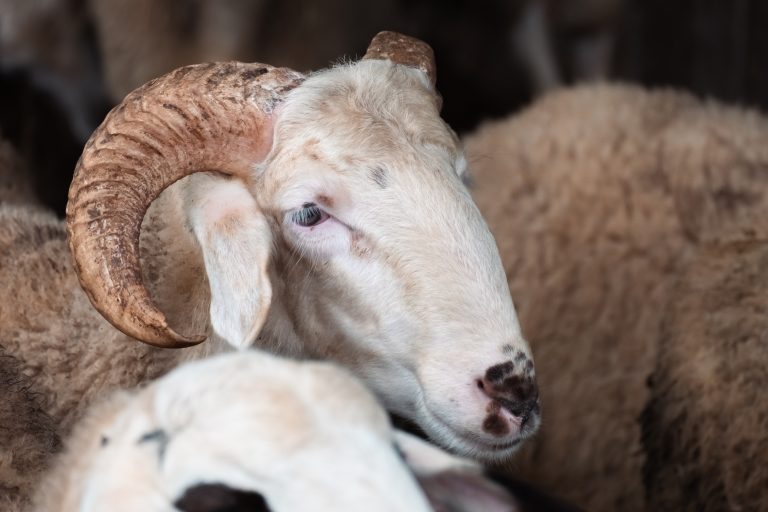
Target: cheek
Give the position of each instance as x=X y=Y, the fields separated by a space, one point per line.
x=325 y=240
x=378 y=308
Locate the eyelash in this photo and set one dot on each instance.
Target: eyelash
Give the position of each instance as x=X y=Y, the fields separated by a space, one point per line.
x=309 y=215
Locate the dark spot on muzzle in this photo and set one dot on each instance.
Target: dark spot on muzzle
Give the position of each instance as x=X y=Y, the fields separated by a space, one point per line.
x=513 y=386
x=494 y=423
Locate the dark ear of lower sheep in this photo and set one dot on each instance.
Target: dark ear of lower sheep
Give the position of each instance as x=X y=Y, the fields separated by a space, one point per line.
x=466 y=491
x=220 y=498
x=459 y=491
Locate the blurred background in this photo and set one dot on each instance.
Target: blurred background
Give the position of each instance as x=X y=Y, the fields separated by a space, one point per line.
x=64 y=63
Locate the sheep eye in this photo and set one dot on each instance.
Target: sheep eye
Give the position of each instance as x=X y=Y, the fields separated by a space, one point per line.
x=309 y=215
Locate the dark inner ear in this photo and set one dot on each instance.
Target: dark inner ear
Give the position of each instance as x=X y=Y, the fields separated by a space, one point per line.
x=220 y=498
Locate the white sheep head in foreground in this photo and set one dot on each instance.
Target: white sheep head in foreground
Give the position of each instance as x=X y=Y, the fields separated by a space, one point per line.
x=253 y=432
x=341 y=230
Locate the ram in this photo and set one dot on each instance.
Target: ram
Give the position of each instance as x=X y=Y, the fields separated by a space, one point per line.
x=337 y=227
x=601 y=199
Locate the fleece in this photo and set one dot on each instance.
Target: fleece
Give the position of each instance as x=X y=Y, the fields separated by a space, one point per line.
x=599 y=197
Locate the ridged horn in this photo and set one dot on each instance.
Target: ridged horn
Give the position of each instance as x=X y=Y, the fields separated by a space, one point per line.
x=197 y=118
x=405 y=50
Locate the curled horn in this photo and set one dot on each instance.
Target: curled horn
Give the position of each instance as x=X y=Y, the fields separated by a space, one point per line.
x=404 y=50
x=197 y=118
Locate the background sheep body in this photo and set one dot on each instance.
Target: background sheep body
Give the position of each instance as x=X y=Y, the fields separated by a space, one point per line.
x=704 y=427
x=27 y=443
x=67 y=348
x=599 y=197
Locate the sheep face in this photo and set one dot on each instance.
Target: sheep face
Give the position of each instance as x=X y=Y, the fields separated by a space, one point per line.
x=381 y=260
x=284 y=432
x=343 y=231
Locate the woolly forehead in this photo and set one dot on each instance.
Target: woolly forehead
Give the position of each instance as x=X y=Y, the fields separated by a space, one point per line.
x=299 y=397
x=364 y=115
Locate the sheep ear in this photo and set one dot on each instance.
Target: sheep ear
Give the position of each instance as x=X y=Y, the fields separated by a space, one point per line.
x=466 y=492
x=450 y=482
x=236 y=243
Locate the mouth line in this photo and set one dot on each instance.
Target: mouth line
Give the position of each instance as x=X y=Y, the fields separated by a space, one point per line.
x=473 y=439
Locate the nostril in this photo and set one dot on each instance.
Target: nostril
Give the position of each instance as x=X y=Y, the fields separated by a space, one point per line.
x=487 y=388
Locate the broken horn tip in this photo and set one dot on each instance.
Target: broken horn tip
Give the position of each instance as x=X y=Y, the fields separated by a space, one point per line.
x=190 y=342
x=171 y=339
x=187 y=341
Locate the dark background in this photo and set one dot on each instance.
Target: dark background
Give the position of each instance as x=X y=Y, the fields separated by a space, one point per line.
x=64 y=63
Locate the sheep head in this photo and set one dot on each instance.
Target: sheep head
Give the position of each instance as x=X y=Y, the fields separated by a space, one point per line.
x=250 y=431
x=247 y=427
x=344 y=215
